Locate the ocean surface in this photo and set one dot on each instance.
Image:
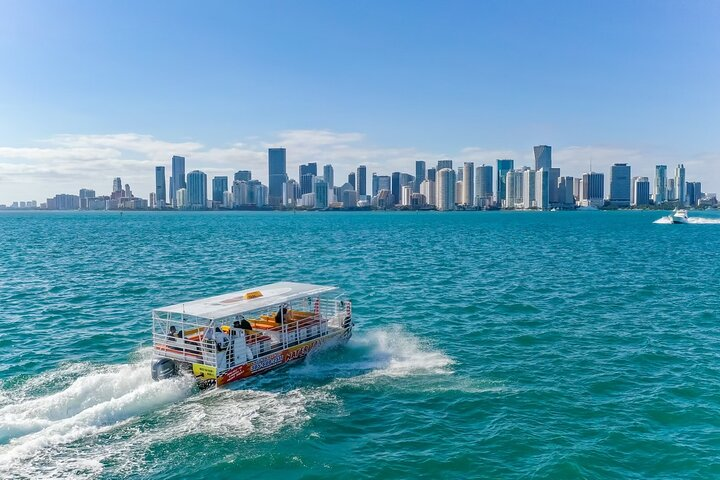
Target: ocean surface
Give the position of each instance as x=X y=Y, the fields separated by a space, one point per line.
x=514 y=345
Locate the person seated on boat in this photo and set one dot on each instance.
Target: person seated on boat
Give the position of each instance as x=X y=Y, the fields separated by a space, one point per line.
x=281 y=315
x=222 y=339
x=245 y=325
x=173 y=333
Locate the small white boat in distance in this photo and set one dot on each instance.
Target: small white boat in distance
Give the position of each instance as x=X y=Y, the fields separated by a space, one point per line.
x=228 y=337
x=678 y=216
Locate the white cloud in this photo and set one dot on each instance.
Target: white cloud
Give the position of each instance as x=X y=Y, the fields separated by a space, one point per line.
x=64 y=163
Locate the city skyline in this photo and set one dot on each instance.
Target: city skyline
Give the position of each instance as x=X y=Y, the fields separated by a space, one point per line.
x=603 y=83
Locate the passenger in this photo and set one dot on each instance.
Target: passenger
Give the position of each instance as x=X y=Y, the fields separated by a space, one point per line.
x=281 y=316
x=221 y=339
x=173 y=333
x=245 y=325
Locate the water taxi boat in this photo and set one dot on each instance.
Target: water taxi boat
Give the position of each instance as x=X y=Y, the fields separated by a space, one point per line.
x=233 y=336
x=678 y=216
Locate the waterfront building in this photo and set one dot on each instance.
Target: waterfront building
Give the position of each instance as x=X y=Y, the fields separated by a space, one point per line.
x=117 y=185
x=528 y=192
x=383 y=199
x=307 y=172
x=291 y=192
x=240 y=193
x=63 y=201
x=160 y=191
x=444 y=164
x=543 y=157
x=513 y=186
x=374 y=184
x=351 y=180
x=243 y=176
x=181 y=200
x=671 y=191
x=152 y=202
x=406 y=195
x=395 y=186
x=227 y=200
x=417 y=200
x=483 y=186
x=620 y=185
x=219 y=187
x=383 y=182
x=277 y=175
x=592 y=189
x=660 y=188
x=694 y=193
x=178 y=177
x=321 y=194
x=307 y=200
x=458 y=190
x=680 y=184
x=262 y=193
x=553 y=193
x=127 y=193
x=420 y=175
x=329 y=175
x=349 y=198
x=577 y=182
x=431 y=174
x=427 y=188
x=640 y=192
x=503 y=167
x=406 y=179
x=445 y=189
x=361 y=180
x=85 y=195
x=196 y=190
x=542 y=189
x=566 y=187
x=468 y=184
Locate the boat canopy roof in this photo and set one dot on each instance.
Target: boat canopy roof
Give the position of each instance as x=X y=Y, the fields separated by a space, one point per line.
x=245 y=301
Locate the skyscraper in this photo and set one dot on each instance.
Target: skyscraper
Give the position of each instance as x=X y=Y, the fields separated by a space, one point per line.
x=178 y=176
x=307 y=172
x=694 y=193
x=528 y=192
x=446 y=189
x=513 y=189
x=329 y=175
x=680 y=184
x=351 y=180
x=395 y=187
x=640 y=191
x=431 y=174
x=592 y=189
x=427 y=188
x=420 y=174
x=160 y=194
x=483 y=185
x=219 y=187
x=321 y=194
x=243 y=175
x=660 y=190
x=620 y=185
x=542 y=189
x=277 y=175
x=565 y=192
x=543 y=157
x=468 y=185
x=503 y=167
x=197 y=190
x=444 y=164
x=361 y=180
x=117 y=184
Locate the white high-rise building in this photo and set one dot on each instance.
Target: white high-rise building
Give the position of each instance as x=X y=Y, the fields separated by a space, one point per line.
x=406 y=195
x=446 y=186
x=181 y=198
x=483 y=185
x=468 y=184
x=680 y=186
x=514 y=189
x=427 y=188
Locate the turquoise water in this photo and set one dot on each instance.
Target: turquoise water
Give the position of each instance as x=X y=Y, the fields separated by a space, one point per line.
x=487 y=345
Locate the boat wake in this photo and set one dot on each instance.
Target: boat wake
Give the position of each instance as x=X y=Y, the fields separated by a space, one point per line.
x=82 y=419
x=691 y=221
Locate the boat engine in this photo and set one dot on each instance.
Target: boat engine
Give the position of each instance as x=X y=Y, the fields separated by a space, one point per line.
x=163 y=368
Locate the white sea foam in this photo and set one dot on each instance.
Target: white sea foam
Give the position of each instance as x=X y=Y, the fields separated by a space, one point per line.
x=691 y=221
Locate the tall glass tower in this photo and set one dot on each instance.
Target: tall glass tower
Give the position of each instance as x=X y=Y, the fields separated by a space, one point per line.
x=219 y=187
x=329 y=175
x=420 y=174
x=680 y=186
x=361 y=180
x=277 y=175
x=661 y=187
x=197 y=190
x=160 y=194
x=503 y=167
x=620 y=185
x=178 y=177
x=543 y=157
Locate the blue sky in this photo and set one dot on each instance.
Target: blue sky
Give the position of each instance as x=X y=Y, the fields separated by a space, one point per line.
x=90 y=90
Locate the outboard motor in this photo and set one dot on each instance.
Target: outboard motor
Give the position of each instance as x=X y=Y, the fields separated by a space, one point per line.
x=163 y=368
